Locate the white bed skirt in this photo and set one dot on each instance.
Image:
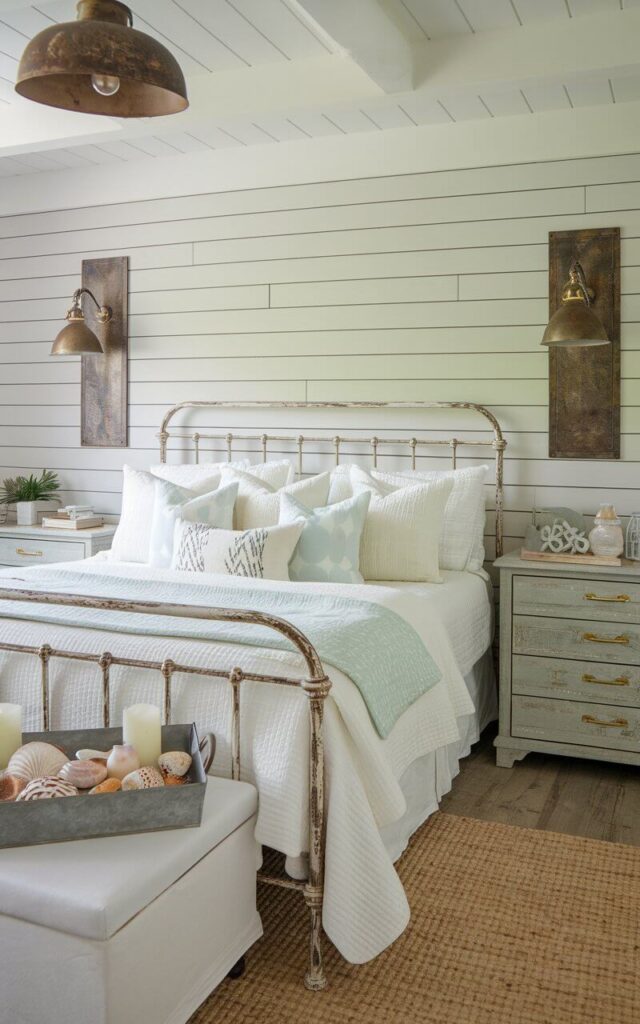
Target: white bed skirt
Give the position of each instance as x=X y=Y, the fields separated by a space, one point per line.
x=427 y=780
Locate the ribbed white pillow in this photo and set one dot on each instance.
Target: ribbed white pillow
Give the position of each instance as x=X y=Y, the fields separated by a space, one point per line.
x=462 y=539
x=258 y=502
x=402 y=529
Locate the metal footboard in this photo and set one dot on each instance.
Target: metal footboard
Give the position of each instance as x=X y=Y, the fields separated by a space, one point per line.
x=315 y=685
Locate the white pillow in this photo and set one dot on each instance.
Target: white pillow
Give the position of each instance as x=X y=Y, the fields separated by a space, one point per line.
x=402 y=529
x=132 y=537
x=194 y=476
x=258 y=502
x=462 y=539
x=172 y=502
x=264 y=553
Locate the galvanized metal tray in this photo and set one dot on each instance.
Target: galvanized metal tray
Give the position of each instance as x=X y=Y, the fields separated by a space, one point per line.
x=29 y=823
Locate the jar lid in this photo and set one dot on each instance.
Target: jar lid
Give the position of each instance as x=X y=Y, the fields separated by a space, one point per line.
x=606 y=513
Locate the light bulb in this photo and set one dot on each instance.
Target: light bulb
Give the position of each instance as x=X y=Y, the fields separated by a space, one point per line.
x=106 y=85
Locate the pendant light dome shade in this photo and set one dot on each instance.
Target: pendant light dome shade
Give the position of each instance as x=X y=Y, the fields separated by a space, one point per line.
x=99 y=64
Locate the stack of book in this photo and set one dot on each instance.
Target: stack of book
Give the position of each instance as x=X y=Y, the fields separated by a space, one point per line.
x=73 y=517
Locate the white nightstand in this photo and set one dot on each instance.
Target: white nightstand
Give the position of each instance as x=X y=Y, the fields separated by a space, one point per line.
x=569 y=661
x=33 y=545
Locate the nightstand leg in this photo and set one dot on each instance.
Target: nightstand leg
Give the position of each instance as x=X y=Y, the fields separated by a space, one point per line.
x=506 y=757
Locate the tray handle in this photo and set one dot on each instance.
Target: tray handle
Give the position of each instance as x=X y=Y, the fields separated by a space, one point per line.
x=208 y=750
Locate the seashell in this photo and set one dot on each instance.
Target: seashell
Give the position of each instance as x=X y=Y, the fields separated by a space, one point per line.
x=84 y=774
x=143 y=778
x=174 y=762
x=10 y=786
x=175 y=780
x=89 y=755
x=108 y=786
x=43 y=789
x=122 y=760
x=36 y=760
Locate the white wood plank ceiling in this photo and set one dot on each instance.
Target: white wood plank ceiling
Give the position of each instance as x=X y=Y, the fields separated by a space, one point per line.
x=233 y=53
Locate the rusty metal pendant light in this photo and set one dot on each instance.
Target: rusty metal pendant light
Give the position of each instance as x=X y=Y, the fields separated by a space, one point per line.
x=100 y=64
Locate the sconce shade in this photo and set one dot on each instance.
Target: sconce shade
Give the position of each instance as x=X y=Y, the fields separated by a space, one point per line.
x=99 y=64
x=75 y=339
x=574 y=324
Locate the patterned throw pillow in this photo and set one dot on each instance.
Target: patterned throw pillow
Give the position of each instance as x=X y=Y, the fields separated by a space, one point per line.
x=264 y=553
x=329 y=546
x=171 y=502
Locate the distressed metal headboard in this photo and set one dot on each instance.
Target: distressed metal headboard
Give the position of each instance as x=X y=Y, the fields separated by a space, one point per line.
x=196 y=437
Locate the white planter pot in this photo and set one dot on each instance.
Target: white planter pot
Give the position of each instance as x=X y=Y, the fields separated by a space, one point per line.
x=27 y=512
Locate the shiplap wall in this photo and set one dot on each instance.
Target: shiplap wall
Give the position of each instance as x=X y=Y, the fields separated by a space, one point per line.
x=411 y=287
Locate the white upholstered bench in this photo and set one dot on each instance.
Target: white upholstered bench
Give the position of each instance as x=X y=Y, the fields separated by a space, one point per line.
x=131 y=929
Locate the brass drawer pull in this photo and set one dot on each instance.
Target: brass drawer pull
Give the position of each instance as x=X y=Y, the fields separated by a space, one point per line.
x=595 y=639
x=616 y=723
x=619 y=681
x=29 y=554
x=617 y=598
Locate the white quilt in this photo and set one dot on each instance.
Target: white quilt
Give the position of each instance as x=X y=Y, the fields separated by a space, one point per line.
x=365 y=905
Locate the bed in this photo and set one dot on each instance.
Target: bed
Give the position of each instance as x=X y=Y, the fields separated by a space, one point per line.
x=338 y=796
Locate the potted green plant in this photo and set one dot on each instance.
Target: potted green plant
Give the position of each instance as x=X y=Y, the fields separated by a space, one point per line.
x=26 y=491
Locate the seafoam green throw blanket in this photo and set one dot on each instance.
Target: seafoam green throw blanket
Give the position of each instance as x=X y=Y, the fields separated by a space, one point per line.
x=372 y=645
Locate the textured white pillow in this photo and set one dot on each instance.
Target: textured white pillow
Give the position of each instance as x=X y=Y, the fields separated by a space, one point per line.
x=132 y=537
x=402 y=529
x=275 y=473
x=258 y=502
x=264 y=553
x=462 y=539
x=195 y=475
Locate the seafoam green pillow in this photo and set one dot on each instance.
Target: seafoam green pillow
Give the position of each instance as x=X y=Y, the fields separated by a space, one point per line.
x=215 y=508
x=329 y=547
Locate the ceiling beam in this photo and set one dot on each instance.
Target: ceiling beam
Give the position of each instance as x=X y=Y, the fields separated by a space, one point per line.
x=555 y=50
x=367 y=33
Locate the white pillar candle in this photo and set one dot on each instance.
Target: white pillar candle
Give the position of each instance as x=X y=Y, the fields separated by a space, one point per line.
x=141 y=728
x=10 y=731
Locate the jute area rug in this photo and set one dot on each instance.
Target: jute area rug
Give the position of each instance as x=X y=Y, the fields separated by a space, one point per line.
x=509 y=926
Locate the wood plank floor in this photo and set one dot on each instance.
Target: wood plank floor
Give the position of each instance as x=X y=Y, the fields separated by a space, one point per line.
x=560 y=794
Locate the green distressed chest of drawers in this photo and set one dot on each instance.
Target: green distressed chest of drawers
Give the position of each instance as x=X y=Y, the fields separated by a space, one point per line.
x=569 y=661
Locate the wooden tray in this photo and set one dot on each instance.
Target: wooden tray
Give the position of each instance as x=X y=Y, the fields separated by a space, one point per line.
x=588 y=559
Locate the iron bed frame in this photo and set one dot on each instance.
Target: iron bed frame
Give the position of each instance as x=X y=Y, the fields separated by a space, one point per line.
x=315 y=684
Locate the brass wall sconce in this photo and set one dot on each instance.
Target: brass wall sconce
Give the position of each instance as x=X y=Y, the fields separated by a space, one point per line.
x=583 y=341
x=100 y=64
x=76 y=339
x=575 y=322
x=100 y=335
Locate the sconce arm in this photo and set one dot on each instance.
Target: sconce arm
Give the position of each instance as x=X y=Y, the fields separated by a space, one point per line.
x=104 y=312
x=582 y=282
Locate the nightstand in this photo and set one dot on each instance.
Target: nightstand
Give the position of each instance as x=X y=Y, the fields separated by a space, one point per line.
x=569 y=661
x=33 y=545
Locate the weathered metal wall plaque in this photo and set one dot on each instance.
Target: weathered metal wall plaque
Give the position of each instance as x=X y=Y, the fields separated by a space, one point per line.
x=105 y=377
x=584 y=383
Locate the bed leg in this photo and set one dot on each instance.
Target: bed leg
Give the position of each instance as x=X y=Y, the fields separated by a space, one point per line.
x=317 y=690
x=315 y=979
